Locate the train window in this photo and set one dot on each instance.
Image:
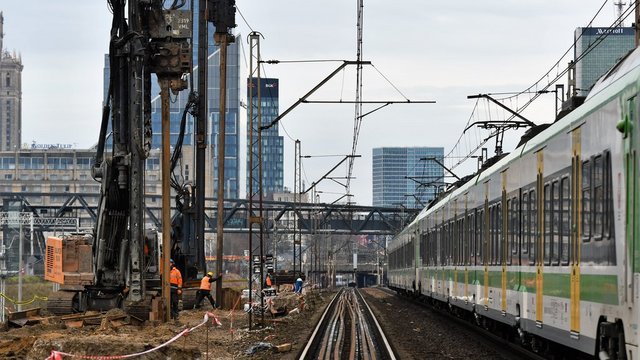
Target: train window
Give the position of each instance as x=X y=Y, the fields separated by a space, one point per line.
x=441 y=250
x=434 y=247
x=424 y=248
x=526 y=234
x=428 y=252
x=427 y=249
x=465 y=239
x=514 y=226
x=586 y=201
x=484 y=250
x=495 y=238
x=565 y=224
x=546 y=240
x=499 y=237
x=533 y=219
x=481 y=238
x=492 y=235
x=472 y=238
x=461 y=241
x=608 y=196
x=443 y=245
x=555 y=222
x=423 y=258
x=447 y=243
x=454 y=243
x=509 y=234
x=598 y=197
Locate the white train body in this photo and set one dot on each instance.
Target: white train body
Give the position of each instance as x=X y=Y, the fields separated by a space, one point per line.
x=547 y=240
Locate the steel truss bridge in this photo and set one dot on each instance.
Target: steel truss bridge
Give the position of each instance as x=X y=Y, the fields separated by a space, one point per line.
x=281 y=217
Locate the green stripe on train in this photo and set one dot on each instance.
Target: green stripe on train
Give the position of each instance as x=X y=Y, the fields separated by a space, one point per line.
x=601 y=289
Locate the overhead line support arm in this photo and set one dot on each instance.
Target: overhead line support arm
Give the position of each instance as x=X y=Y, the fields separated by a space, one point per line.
x=329 y=172
x=315 y=88
x=442 y=165
x=485 y=96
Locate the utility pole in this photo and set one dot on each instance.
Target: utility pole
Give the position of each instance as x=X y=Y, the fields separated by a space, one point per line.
x=20 y=267
x=297 y=191
x=255 y=165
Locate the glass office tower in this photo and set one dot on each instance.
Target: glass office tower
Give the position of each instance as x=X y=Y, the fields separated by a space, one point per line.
x=603 y=48
x=272 y=142
x=406 y=176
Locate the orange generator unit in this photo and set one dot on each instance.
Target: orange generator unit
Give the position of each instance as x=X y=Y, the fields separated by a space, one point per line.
x=69 y=260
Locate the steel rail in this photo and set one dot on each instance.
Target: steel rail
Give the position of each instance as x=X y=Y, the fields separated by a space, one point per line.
x=348 y=330
x=378 y=328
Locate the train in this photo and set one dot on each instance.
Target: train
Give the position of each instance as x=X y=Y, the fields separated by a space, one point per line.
x=545 y=242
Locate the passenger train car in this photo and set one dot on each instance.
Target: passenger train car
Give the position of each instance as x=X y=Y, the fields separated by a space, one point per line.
x=546 y=241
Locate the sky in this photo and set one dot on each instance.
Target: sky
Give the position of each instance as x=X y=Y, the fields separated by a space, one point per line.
x=420 y=50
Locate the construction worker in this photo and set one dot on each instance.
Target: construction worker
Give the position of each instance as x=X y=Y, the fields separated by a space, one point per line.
x=175 y=279
x=298 y=285
x=205 y=290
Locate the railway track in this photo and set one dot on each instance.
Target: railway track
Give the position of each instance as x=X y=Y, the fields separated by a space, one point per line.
x=348 y=330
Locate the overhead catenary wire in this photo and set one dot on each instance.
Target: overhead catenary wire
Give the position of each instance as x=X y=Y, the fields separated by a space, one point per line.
x=534 y=91
x=557 y=63
x=243 y=18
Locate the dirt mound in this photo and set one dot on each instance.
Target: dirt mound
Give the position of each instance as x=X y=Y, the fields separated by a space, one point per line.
x=231 y=340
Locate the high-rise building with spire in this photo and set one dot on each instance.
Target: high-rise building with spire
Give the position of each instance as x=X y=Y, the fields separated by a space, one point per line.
x=10 y=96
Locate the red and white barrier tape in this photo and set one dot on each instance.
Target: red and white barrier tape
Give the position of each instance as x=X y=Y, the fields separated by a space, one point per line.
x=57 y=355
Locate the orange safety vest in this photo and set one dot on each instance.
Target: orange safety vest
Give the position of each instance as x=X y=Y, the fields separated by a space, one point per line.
x=205 y=284
x=175 y=278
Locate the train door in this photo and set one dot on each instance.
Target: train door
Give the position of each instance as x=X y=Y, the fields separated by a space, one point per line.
x=633 y=204
x=417 y=260
x=502 y=237
x=576 y=236
x=540 y=238
x=467 y=245
x=485 y=245
x=632 y=163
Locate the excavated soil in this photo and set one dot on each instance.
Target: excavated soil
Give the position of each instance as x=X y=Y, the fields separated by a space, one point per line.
x=231 y=340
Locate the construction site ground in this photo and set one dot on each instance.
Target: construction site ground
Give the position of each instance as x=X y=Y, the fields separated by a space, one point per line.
x=230 y=340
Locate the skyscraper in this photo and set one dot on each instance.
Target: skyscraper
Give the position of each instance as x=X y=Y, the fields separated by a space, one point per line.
x=10 y=96
x=602 y=48
x=272 y=143
x=406 y=176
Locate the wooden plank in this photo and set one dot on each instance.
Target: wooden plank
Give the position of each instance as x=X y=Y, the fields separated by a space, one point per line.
x=34 y=312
